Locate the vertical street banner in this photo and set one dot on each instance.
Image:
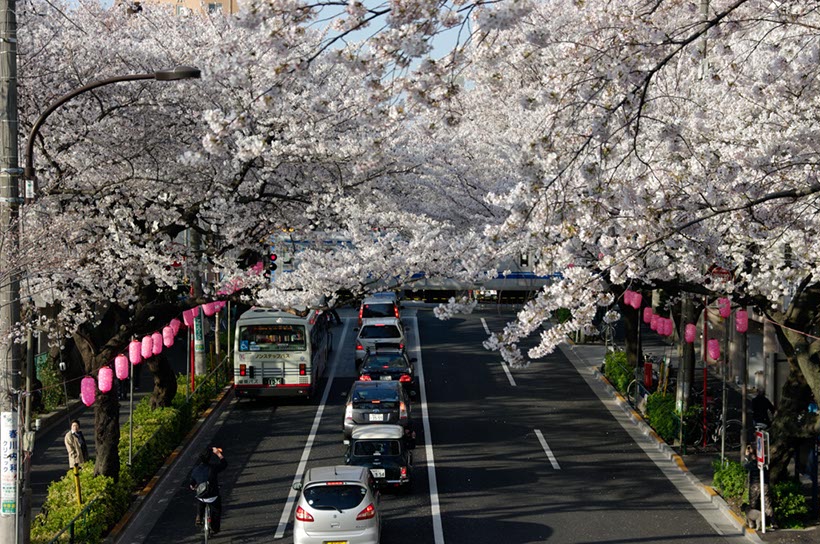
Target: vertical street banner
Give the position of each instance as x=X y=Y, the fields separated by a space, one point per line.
x=8 y=463
x=199 y=336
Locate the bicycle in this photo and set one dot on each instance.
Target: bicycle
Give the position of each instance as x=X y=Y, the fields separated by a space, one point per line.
x=714 y=430
x=206 y=519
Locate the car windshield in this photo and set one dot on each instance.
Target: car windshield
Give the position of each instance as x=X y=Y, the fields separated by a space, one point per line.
x=379 y=309
x=382 y=362
x=376 y=447
x=272 y=337
x=380 y=331
x=378 y=394
x=335 y=497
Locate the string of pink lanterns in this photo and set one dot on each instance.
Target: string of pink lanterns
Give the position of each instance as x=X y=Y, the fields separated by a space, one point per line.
x=666 y=327
x=140 y=350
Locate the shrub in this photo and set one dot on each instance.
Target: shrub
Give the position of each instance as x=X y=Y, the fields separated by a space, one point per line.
x=730 y=480
x=561 y=315
x=617 y=370
x=53 y=392
x=790 y=507
x=660 y=410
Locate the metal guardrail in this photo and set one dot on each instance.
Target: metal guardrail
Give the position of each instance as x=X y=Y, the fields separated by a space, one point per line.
x=69 y=530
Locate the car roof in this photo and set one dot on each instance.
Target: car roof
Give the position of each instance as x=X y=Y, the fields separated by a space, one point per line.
x=385 y=352
x=364 y=384
x=381 y=321
x=374 y=432
x=336 y=473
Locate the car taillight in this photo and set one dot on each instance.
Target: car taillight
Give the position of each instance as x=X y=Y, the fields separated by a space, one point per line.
x=402 y=410
x=396 y=311
x=403 y=473
x=302 y=514
x=365 y=378
x=349 y=411
x=359 y=347
x=367 y=513
x=361 y=308
x=401 y=346
x=302 y=369
x=242 y=370
x=405 y=378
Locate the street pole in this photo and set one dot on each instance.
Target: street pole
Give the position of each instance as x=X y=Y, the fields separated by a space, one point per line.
x=9 y=277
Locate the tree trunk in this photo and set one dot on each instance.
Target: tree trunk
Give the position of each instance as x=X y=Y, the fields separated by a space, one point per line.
x=631 y=322
x=165 y=383
x=107 y=435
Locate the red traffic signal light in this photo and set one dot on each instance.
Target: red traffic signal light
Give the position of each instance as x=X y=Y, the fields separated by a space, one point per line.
x=272 y=262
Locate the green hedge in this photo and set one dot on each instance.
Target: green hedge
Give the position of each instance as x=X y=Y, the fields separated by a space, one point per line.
x=790 y=506
x=662 y=416
x=617 y=370
x=156 y=434
x=730 y=480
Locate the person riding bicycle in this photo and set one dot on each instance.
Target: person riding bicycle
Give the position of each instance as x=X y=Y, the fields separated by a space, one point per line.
x=205 y=484
x=761 y=406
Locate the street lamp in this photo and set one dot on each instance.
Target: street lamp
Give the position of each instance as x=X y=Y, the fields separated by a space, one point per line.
x=174 y=74
x=30 y=177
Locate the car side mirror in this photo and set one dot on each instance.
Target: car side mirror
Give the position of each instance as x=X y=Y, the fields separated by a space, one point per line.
x=297 y=486
x=412 y=394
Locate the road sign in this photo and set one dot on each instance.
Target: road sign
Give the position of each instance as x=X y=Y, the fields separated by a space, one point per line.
x=762 y=441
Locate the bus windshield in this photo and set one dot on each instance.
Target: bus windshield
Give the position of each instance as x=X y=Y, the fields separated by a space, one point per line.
x=279 y=337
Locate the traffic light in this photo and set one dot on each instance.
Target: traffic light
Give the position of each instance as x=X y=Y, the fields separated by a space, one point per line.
x=524 y=260
x=272 y=260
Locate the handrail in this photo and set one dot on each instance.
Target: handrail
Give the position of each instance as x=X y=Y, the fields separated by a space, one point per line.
x=70 y=526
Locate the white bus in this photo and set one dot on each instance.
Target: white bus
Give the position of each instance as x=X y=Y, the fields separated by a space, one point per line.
x=279 y=354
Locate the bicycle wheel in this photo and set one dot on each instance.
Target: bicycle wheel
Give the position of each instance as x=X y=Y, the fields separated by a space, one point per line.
x=734 y=430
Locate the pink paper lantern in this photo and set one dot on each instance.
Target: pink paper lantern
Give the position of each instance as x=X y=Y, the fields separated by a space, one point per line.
x=88 y=390
x=156 y=343
x=724 y=307
x=195 y=311
x=209 y=308
x=135 y=352
x=219 y=305
x=713 y=349
x=647 y=315
x=628 y=297
x=106 y=378
x=654 y=322
x=668 y=327
x=168 y=336
x=188 y=318
x=741 y=321
x=690 y=332
x=175 y=324
x=121 y=366
x=147 y=347
x=637 y=298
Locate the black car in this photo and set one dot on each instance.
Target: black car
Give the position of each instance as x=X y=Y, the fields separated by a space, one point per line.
x=376 y=402
x=385 y=450
x=390 y=365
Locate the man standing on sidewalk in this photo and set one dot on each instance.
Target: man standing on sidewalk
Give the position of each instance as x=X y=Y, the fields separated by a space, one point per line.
x=75 y=445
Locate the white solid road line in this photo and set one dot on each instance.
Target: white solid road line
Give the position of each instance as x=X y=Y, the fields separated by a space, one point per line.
x=547 y=450
x=503 y=364
x=435 y=507
x=300 y=470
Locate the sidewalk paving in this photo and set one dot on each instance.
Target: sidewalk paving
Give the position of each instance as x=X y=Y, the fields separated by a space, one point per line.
x=697 y=464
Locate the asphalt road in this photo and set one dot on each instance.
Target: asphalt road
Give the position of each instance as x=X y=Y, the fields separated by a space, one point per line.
x=527 y=456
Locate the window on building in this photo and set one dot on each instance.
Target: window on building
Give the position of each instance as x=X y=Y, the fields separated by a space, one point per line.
x=215 y=7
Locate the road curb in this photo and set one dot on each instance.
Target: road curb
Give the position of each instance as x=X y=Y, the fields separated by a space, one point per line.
x=708 y=491
x=145 y=492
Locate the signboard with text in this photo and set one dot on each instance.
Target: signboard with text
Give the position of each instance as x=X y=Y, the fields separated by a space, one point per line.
x=8 y=463
x=762 y=443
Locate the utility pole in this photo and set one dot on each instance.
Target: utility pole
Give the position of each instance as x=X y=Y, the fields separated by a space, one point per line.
x=9 y=277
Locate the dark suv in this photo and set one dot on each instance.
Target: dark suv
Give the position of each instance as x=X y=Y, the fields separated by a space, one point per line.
x=376 y=402
x=385 y=450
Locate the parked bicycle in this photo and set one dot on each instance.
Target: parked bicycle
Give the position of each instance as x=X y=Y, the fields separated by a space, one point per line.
x=714 y=430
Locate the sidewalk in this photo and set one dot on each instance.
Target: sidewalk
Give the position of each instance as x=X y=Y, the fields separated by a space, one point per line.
x=696 y=465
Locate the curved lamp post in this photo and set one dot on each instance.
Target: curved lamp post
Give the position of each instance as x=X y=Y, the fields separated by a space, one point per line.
x=30 y=177
x=174 y=74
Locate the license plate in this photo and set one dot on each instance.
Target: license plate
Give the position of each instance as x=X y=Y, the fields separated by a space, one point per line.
x=386 y=378
x=377 y=472
x=270 y=381
x=376 y=417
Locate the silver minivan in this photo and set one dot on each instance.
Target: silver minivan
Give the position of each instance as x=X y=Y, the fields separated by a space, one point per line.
x=337 y=504
x=375 y=333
